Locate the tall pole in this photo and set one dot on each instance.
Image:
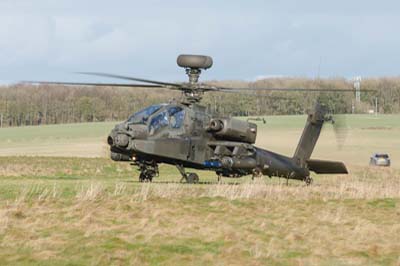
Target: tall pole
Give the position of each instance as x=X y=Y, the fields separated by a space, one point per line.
x=376 y=105
x=357 y=87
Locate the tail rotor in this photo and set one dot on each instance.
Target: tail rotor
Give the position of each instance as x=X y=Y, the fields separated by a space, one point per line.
x=339 y=125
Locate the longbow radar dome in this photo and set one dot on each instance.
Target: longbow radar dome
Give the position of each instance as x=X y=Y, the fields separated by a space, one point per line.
x=194 y=61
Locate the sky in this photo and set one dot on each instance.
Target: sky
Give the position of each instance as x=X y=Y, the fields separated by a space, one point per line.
x=50 y=40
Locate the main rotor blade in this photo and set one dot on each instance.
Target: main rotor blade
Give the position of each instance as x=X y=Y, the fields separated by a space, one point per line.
x=225 y=89
x=255 y=94
x=130 y=78
x=94 y=84
x=232 y=89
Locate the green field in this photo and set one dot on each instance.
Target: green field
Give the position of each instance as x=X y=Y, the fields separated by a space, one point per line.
x=63 y=202
x=366 y=134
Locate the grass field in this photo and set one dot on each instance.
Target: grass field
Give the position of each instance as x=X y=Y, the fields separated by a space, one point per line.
x=366 y=134
x=59 y=208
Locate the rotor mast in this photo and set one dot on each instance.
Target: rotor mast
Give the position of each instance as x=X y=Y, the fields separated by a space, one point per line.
x=193 y=74
x=193 y=65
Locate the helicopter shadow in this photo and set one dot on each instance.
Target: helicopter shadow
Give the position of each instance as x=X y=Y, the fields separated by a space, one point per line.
x=184 y=183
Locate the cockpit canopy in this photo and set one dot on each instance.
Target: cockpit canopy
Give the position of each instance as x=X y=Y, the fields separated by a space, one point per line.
x=142 y=116
x=158 y=117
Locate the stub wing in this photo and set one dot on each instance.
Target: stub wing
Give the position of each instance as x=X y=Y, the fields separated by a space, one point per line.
x=326 y=167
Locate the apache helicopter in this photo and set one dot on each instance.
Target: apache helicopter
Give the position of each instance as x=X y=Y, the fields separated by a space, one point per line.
x=186 y=134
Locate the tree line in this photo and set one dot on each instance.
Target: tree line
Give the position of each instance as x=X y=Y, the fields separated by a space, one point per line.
x=23 y=104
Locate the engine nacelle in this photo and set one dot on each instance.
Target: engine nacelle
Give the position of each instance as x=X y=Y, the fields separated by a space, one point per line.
x=233 y=129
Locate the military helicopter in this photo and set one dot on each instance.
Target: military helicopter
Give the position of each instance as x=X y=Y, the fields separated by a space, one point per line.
x=186 y=134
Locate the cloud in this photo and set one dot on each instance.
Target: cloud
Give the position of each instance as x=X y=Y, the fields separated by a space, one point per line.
x=44 y=38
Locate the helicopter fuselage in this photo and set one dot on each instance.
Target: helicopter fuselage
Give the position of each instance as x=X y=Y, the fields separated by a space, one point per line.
x=188 y=136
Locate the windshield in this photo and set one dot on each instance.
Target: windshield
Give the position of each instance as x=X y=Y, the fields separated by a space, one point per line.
x=174 y=117
x=142 y=116
x=177 y=116
x=158 y=122
x=383 y=156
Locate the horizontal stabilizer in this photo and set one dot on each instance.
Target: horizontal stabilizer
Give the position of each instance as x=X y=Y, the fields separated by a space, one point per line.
x=326 y=167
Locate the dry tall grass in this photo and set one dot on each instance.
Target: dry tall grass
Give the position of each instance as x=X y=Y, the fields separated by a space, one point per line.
x=225 y=224
x=364 y=185
x=339 y=220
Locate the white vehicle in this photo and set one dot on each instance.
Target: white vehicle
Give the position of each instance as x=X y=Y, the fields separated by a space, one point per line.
x=380 y=159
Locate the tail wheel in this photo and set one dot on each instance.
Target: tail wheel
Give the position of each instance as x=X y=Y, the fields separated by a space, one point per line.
x=192 y=178
x=256 y=173
x=308 y=180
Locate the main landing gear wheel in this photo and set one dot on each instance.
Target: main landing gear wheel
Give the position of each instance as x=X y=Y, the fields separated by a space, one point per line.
x=308 y=180
x=192 y=178
x=145 y=178
x=148 y=170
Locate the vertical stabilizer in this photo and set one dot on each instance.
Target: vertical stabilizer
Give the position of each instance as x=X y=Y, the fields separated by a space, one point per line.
x=310 y=135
